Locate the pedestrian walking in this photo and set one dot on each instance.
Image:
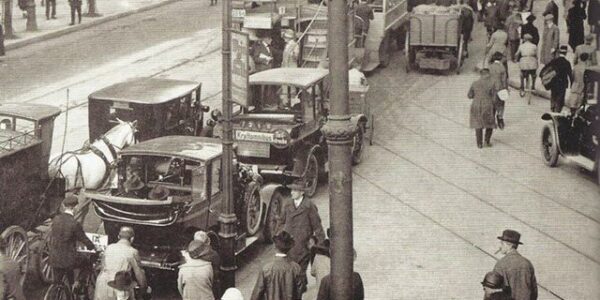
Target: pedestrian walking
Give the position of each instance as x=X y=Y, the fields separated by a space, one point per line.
x=499 y=77
x=64 y=235
x=552 y=9
x=576 y=96
x=529 y=28
x=528 y=63
x=301 y=219
x=513 y=24
x=214 y=258
x=358 y=290
x=281 y=279
x=491 y=17
x=50 y=9
x=75 y=8
x=468 y=21
x=119 y=257
x=550 y=40
x=587 y=47
x=482 y=115
x=575 y=17
x=196 y=275
x=291 y=51
x=497 y=43
x=2 y=53
x=559 y=83
x=504 y=9
x=493 y=284
x=213 y=2
x=517 y=271
x=11 y=275
x=320 y=261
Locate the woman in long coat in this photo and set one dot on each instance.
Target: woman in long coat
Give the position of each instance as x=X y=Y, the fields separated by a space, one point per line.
x=483 y=92
x=575 y=17
x=550 y=41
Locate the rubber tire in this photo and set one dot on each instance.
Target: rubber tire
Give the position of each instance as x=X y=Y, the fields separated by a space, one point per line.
x=311 y=190
x=20 y=236
x=46 y=274
x=549 y=152
x=252 y=193
x=273 y=215
x=359 y=135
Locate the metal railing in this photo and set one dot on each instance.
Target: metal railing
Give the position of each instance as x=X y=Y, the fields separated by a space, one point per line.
x=20 y=140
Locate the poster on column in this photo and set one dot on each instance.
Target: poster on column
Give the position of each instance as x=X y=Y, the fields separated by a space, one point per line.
x=239 y=67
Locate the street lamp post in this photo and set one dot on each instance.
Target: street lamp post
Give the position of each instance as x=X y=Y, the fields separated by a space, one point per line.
x=339 y=132
x=227 y=218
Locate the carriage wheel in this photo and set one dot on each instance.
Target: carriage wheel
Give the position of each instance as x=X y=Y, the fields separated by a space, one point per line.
x=58 y=291
x=273 y=215
x=17 y=248
x=549 y=146
x=45 y=270
x=358 y=144
x=253 y=209
x=311 y=175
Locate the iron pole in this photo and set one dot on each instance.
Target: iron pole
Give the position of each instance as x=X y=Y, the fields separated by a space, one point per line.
x=339 y=132
x=227 y=218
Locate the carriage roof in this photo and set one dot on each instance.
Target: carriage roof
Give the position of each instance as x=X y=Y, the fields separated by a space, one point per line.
x=189 y=147
x=33 y=112
x=298 y=77
x=146 y=90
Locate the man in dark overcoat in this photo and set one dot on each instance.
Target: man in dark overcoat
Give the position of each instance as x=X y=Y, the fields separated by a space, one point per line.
x=529 y=28
x=575 y=17
x=491 y=17
x=301 y=219
x=518 y=272
x=281 y=279
x=499 y=77
x=560 y=82
x=483 y=93
x=75 y=8
x=262 y=52
x=64 y=234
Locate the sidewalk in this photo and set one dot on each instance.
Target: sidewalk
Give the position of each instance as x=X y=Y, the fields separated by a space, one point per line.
x=47 y=29
x=513 y=68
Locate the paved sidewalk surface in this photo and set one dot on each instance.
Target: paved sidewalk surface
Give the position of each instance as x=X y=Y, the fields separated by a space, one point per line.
x=538 y=9
x=52 y=28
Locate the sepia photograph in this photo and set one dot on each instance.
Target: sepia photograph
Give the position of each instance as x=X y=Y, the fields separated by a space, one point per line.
x=299 y=150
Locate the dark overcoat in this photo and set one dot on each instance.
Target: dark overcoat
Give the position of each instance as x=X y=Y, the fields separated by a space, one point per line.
x=302 y=223
x=483 y=93
x=64 y=235
x=281 y=279
x=519 y=276
x=262 y=56
x=575 y=17
x=532 y=30
x=564 y=74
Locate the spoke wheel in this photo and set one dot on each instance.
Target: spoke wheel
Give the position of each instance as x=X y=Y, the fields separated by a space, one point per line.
x=17 y=248
x=46 y=272
x=549 y=146
x=358 y=145
x=273 y=216
x=311 y=175
x=57 y=292
x=253 y=211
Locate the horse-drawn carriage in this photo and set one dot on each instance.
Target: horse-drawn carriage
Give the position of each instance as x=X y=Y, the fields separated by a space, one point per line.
x=160 y=107
x=28 y=196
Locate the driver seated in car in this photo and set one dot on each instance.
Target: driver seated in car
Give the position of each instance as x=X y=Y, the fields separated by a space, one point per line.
x=174 y=173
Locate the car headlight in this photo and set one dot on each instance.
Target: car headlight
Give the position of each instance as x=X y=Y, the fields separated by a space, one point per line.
x=281 y=138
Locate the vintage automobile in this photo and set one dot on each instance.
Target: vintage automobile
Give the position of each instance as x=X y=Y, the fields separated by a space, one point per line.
x=160 y=107
x=170 y=187
x=576 y=137
x=279 y=133
x=25 y=142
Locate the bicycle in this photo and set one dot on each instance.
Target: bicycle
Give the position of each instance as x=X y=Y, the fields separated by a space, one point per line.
x=64 y=290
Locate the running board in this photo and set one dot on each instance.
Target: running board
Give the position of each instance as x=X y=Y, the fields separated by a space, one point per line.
x=583 y=161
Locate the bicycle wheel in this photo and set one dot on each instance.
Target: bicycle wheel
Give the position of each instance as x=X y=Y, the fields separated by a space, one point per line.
x=57 y=291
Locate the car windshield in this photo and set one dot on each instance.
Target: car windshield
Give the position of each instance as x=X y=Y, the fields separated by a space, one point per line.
x=158 y=177
x=278 y=99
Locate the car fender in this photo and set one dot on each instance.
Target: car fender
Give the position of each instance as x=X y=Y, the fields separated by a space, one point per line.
x=266 y=193
x=301 y=159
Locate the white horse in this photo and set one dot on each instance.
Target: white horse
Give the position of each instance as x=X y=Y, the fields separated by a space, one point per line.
x=90 y=166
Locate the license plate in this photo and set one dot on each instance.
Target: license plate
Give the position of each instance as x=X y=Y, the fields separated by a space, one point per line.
x=251 y=136
x=252 y=149
x=238 y=13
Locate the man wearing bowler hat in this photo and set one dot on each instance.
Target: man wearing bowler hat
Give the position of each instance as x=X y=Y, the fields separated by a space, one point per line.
x=301 y=219
x=282 y=278
x=493 y=287
x=517 y=270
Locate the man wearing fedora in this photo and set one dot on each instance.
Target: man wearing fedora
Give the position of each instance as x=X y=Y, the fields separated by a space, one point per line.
x=301 y=219
x=123 y=286
x=119 y=257
x=195 y=277
x=281 y=279
x=517 y=271
x=64 y=234
x=213 y=257
x=493 y=287
x=559 y=84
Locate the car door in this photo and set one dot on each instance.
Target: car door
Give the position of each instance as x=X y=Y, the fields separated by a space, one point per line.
x=591 y=132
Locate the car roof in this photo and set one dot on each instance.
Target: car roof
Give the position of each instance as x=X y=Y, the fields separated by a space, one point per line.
x=189 y=147
x=34 y=112
x=298 y=77
x=146 y=90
